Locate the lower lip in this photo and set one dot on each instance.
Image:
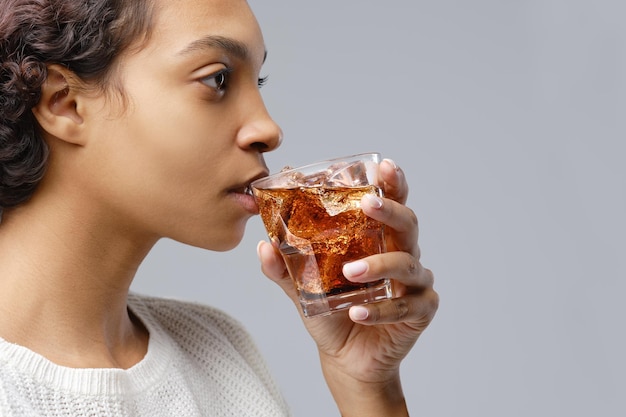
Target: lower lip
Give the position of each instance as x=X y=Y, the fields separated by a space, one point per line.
x=247 y=202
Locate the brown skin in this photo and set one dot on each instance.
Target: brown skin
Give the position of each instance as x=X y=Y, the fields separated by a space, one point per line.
x=172 y=160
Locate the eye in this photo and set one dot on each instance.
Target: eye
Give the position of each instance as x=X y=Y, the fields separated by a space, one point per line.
x=219 y=80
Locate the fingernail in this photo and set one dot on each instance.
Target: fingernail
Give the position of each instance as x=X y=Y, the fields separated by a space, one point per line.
x=393 y=164
x=358 y=313
x=354 y=269
x=374 y=201
x=258 y=249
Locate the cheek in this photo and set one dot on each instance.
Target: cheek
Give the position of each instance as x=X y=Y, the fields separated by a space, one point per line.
x=165 y=165
x=179 y=165
x=187 y=128
x=173 y=141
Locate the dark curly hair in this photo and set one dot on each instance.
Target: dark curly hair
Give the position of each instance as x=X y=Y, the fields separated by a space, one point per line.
x=84 y=36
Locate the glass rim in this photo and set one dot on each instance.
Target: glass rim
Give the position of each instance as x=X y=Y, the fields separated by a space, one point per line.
x=313 y=164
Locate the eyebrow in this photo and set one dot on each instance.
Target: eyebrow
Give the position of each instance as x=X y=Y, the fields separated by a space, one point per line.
x=232 y=46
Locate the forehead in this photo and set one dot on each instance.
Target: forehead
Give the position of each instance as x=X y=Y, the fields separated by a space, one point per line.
x=179 y=24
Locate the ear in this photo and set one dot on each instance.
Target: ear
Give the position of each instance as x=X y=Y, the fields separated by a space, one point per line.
x=58 y=111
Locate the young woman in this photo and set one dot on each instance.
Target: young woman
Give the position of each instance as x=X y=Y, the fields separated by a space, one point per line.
x=122 y=122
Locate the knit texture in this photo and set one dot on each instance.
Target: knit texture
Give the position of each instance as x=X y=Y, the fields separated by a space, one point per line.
x=200 y=362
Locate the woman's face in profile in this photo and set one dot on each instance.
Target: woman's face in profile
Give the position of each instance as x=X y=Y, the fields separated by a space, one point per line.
x=174 y=159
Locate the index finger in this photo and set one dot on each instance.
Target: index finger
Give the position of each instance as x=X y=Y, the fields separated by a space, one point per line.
x=394 y=182
x=402 y=221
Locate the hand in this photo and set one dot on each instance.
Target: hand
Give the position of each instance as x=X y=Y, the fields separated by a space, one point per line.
x=361 y=349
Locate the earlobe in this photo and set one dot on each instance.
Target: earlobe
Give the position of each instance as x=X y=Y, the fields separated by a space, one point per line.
x=58 y=109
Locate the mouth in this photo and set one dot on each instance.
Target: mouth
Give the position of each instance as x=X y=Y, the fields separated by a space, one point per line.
x=246 y=187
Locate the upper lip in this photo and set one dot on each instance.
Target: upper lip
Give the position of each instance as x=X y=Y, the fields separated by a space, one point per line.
x=245 y=186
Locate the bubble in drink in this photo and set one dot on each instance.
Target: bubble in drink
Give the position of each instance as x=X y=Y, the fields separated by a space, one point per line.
x=318 y=230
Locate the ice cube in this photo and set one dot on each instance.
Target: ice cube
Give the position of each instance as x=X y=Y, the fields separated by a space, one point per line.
x=287 y=180
x=317 y=179
x=336 y=202
x=345 y=174
x=298 y=179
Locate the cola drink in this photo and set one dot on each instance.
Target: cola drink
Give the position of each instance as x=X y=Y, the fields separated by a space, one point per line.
x=315 y=219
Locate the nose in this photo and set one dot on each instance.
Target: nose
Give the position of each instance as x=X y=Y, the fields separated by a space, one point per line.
x=260 y=132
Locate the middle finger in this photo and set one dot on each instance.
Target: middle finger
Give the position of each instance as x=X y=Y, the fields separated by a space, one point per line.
x=401 y=266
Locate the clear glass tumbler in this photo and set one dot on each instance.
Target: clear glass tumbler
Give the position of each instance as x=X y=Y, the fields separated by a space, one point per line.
x=313 y=214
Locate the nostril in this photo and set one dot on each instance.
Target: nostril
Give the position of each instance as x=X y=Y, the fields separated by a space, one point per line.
x=260 y=146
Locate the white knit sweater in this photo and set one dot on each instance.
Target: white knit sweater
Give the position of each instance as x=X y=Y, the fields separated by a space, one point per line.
x=200 y=362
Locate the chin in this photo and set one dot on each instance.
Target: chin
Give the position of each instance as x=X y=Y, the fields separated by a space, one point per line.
x=221 y=241
x=225 y=246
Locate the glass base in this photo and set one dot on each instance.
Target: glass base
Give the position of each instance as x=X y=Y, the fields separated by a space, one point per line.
x=323 y=305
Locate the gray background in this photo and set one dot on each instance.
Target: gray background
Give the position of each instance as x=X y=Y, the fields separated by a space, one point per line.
x=508 y=118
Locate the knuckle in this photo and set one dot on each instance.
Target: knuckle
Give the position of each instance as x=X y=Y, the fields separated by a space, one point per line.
x=412 y=218
x=429 y=277
x=389 y=312
x=412 y=268
x=401 y=309
x=434 y=302
x=374 y=313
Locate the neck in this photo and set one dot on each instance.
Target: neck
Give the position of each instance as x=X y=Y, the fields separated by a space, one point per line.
x=64 y=282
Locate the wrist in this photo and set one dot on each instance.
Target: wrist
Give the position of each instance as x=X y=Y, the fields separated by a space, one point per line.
x=359 y=398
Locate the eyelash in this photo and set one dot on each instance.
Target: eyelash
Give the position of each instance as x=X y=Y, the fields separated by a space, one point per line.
x=224 y=75
x=262 y=81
